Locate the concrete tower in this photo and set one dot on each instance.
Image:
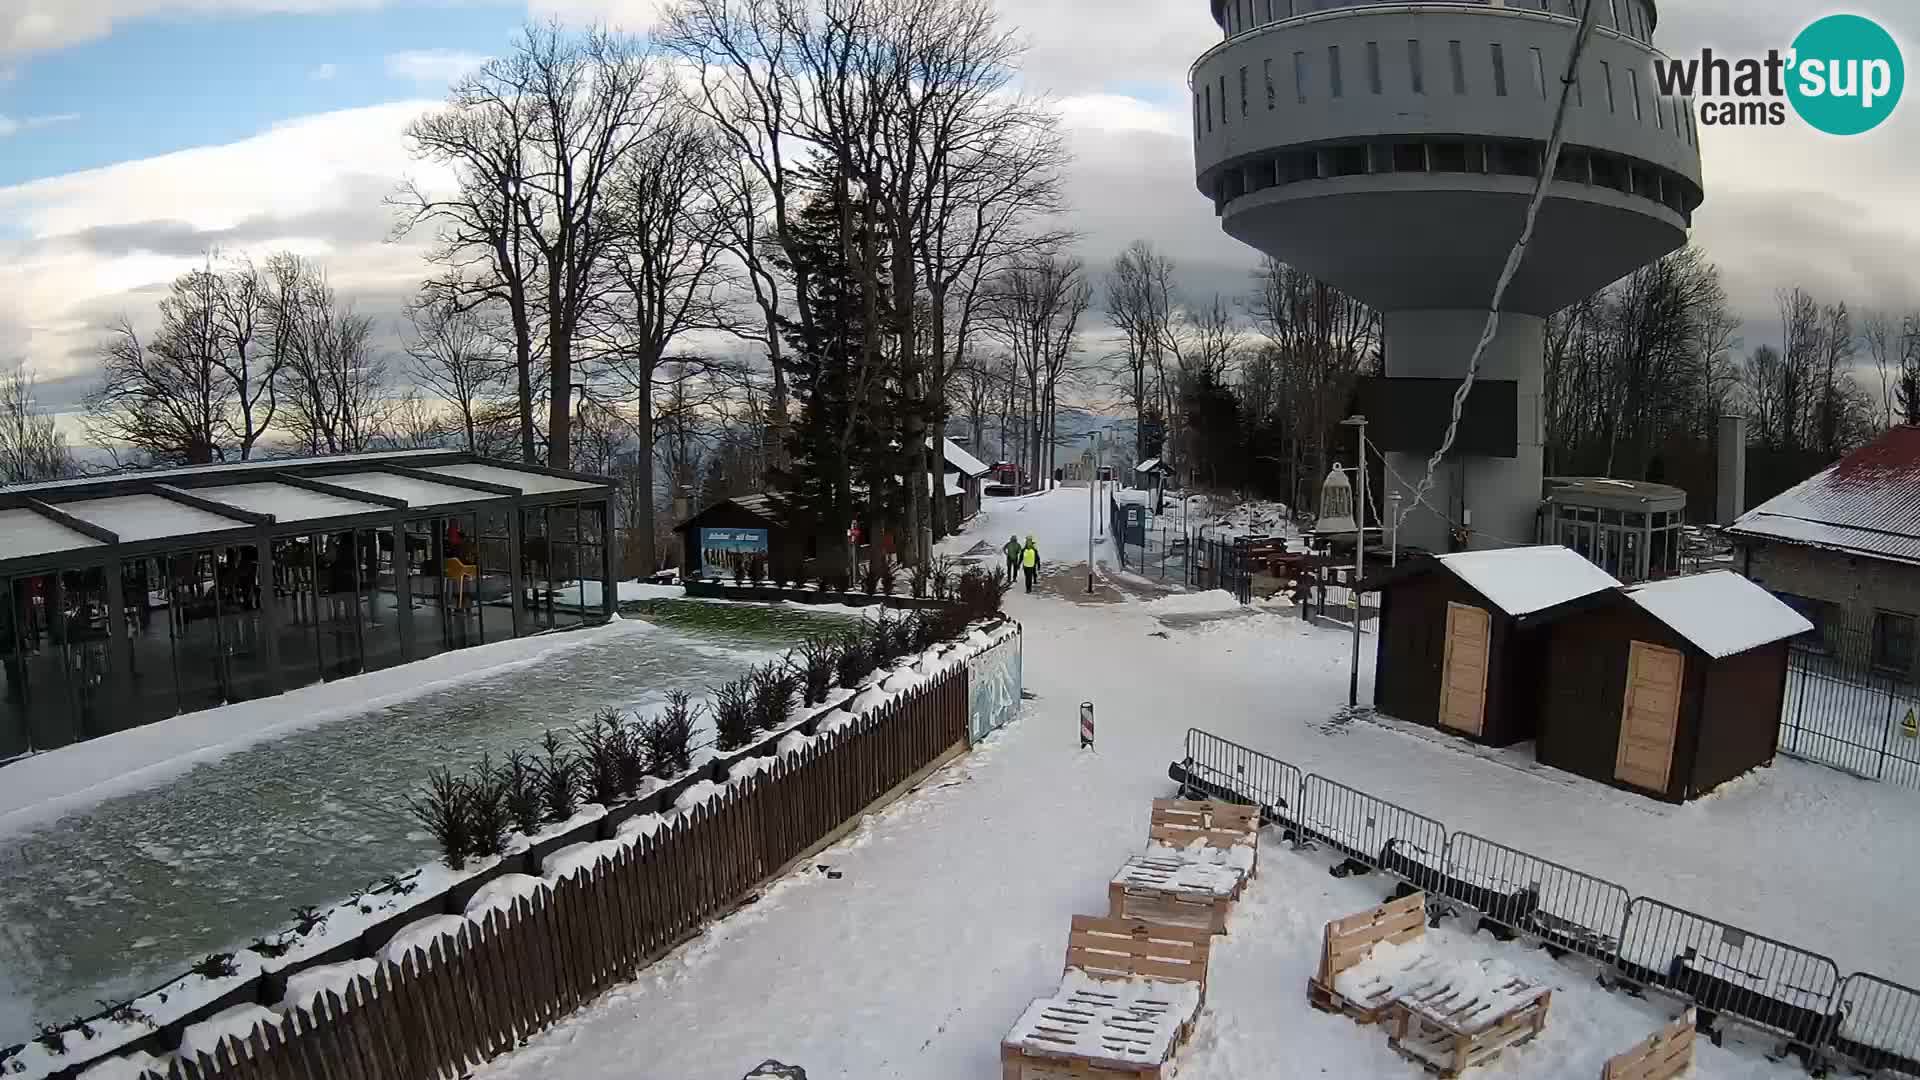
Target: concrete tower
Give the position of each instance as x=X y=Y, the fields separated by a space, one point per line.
x=1391 y=148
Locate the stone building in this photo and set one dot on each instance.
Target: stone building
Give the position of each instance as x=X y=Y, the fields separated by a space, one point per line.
x=1843 y=549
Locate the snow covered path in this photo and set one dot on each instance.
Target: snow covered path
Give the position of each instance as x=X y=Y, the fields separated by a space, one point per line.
x=907 y=950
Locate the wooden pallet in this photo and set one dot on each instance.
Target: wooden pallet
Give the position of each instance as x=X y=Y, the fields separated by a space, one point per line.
x=1178 y=823
x=1425 y=1035
x=1665 y=1054
x=1172 y=892
x=1103 y=949
x=1346 y=942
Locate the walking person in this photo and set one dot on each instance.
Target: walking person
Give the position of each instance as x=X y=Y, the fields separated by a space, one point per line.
x=1030 y=561
x=1012 y=551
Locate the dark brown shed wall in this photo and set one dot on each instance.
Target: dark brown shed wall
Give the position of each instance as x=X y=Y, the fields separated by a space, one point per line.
x=1586 y=689
x=1413 y=646
x=1741 y=721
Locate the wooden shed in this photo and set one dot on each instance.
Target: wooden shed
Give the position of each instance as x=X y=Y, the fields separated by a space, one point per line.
x=1451 y=652
x=1670 y=688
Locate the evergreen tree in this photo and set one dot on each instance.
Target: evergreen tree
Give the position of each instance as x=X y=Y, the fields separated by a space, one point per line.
x=837 y=370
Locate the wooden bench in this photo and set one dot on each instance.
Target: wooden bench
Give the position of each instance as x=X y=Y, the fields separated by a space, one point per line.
x=1128 y=998
x=1175 y=892
x=1346 y=942
x=1448 y=1030
x=1205 y=831
x=1665 y=1054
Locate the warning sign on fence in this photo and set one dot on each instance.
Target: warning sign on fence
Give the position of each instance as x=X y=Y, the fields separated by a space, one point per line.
x=1910 y=726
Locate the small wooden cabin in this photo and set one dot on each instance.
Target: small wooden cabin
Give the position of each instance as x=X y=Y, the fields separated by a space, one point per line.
x=1670 y=688
x=1451 y=652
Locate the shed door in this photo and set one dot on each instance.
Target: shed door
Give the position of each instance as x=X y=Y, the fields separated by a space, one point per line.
x=1463 y=673
x=1649 y=717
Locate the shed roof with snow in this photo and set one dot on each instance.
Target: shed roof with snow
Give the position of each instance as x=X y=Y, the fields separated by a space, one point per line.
x=1867 y=503
x=958 y=458
x=1153 y=465
x=1524 y=580
x=1720 y=613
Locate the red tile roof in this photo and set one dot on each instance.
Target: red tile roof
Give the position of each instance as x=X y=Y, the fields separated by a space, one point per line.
x=1867 y=503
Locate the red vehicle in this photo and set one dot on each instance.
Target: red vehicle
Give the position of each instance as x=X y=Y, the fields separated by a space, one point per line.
x=1005 y=478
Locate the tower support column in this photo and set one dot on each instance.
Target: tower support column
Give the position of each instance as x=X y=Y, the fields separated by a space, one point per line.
x=1497 y=499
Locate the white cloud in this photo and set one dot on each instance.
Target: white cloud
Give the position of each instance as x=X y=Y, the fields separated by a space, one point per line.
x=14 y=127
x=634 y=16
x=324 y=73
x=432 y=67
x=98 y=243
x=28 y=26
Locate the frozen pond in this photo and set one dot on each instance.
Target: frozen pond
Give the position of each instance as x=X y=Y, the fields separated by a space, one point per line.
x=116 y=899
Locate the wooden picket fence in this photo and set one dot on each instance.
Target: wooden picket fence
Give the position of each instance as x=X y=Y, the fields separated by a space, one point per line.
x=479 y=993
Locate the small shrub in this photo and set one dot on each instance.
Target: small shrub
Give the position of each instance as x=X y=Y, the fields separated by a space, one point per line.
x=272 y=950
x=982 y=593
x=925 y=631
x=889 y=577
x=51 y=1037
x=772 y=695
x=83 y=1026
x=218 y=965
x=559 y=779
x=733 y=714
x=126 y=1012
x=921 y=580
x=940 y=576
x=872 y=579
x=308 y=919
x=815 y=668
x=488 y=816
x=603 y=756
x=667 y=739
x=853 y=660
x=442 y=810
x=526 y=797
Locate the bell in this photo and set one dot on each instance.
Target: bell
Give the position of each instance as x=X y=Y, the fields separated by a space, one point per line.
x=1336 y=505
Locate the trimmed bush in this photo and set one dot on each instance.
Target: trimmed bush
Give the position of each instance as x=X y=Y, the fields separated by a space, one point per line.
x=525 y=797
x=559 y=779
x=667 y=739
x=815 y=668
x=612 y=762
x=442 y=810
x=854 y=660
x=982 y=593
x=488 y=817
x=773 y=687
x=733 y=714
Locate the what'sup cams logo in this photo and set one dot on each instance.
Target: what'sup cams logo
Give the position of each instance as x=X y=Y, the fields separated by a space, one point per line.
x=1843 y=76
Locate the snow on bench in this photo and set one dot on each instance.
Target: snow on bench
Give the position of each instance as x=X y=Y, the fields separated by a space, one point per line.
x=1128 y=997
x=1177 y=891
x=1665 y=1055
x=1216 y=832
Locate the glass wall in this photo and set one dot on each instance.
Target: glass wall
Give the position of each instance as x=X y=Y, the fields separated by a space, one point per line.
x=536 y=569
x=1630 y=545
x=379 y=564
x=54 y=661
x=593 y=559
x=338 y=579
x=494 y=585
x=297 y=611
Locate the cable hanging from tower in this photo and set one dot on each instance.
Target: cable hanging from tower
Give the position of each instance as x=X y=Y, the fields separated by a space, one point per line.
x=1514 y=258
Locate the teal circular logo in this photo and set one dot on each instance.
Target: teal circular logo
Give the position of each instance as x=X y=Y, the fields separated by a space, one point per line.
x=1846 y=75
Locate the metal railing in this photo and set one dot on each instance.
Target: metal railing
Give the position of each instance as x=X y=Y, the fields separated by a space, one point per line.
x=1843 y=712
x=1731 y=974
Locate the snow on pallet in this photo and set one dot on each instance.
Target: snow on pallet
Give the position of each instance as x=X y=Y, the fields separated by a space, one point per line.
x=1175 y=892
x=1128 y=997
x=1215 y=832
x=1664 y=1055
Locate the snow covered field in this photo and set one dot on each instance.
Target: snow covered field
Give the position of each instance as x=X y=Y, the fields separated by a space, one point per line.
x=124 y=859
x=945 y=915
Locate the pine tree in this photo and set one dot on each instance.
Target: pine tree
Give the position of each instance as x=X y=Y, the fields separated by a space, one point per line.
x=837 y=369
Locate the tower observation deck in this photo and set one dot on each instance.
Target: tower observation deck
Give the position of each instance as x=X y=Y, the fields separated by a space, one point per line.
x=1391 y=150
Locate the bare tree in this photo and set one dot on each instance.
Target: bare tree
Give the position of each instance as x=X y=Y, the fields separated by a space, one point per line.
x=1037 y=307
x=454 y=356
x=415 y=422
x=31 y=445
x=333 y=382
x=243 y=321
x=1140 y=305
x=167 y=397
x=670 y=274
x=1877 y=333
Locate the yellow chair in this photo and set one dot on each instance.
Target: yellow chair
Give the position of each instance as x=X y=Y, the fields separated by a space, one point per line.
x=457 y=573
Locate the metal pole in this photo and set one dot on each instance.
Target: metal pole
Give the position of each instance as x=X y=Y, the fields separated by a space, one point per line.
x=1359 y=561
x=1092 y=516
x=1393 y=515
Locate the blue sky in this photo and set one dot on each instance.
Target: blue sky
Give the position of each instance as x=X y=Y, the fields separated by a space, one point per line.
x=160 y=84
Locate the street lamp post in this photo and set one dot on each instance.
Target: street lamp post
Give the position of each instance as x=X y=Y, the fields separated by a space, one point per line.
x=1359 y=424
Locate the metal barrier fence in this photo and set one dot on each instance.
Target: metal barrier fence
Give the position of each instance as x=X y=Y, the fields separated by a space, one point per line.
x=1562 y=906
x=1374 y=831
x=1839 y=711
x=1725 y=969
x=1865 y=1021
x=1879 y=1026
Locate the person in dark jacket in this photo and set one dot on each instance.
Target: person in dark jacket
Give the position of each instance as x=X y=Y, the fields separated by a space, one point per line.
x=1012 y=551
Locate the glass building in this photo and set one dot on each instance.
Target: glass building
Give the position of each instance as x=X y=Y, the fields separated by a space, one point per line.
x=128 y=599
x=1629 y=528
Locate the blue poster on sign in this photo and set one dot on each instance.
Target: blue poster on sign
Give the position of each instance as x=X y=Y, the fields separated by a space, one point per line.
x=993 y=688
x=723 y=549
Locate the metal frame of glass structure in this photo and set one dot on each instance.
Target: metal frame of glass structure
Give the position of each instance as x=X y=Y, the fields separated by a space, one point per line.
x=1630 y=529
x=128 y=599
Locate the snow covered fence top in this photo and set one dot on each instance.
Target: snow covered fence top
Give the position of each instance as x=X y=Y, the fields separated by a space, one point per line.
x=1524 y=580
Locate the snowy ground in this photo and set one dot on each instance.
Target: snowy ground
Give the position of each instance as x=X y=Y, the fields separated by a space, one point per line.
x=947 y=913
x=124 y=859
